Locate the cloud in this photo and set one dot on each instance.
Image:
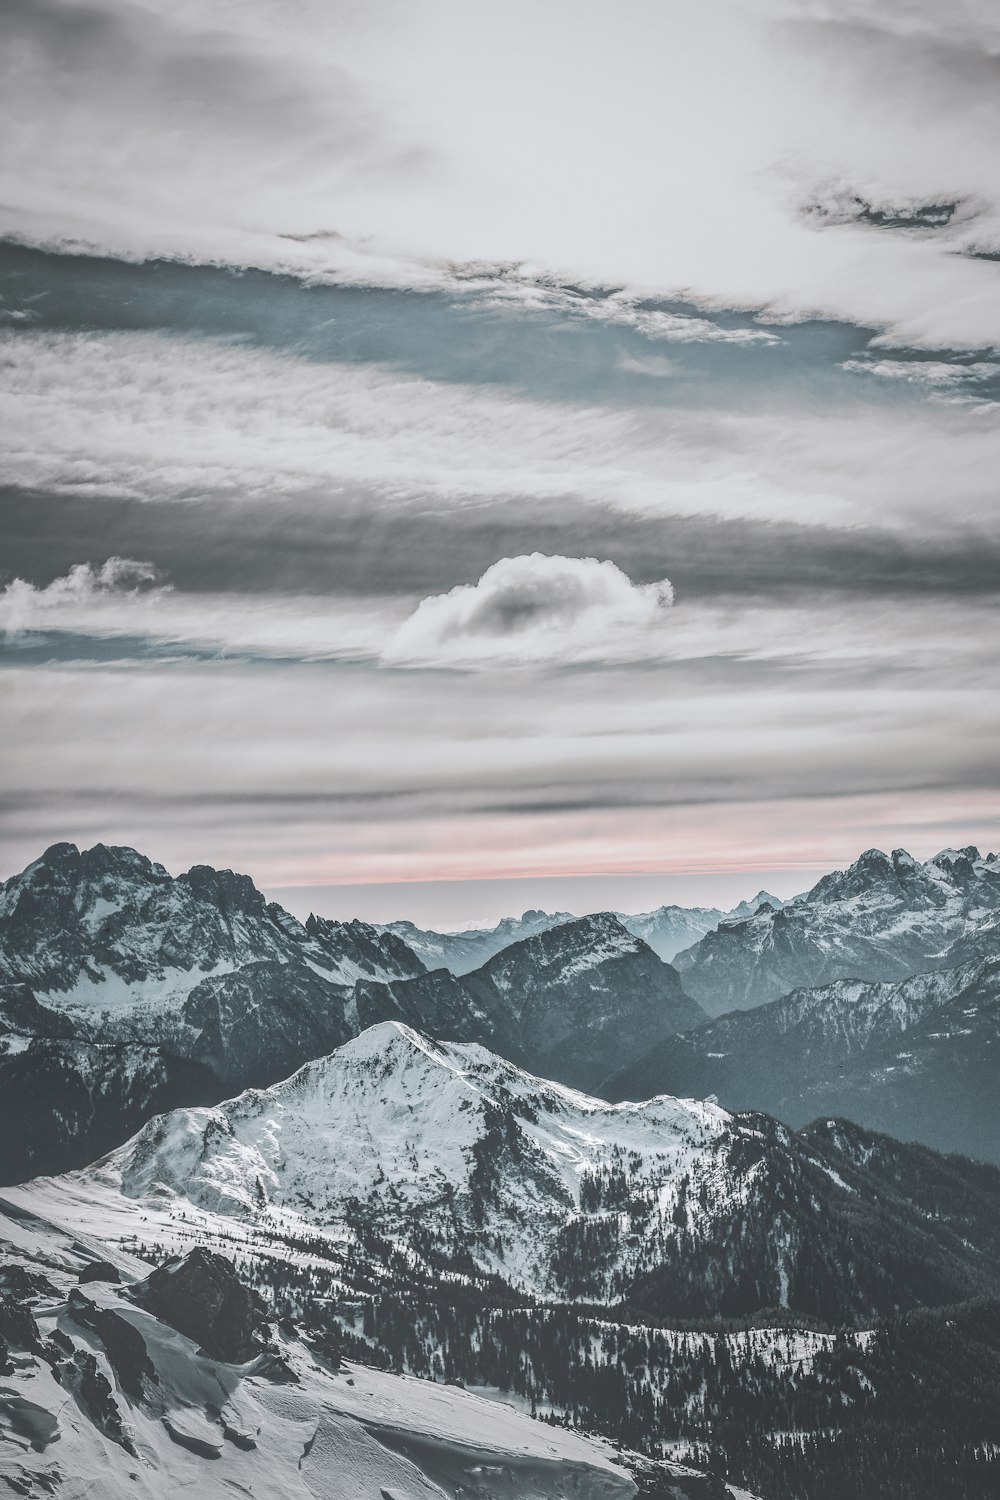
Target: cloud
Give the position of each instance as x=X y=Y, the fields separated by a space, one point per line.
x=935 y=373
x=653 y=365
x=662 y=149
x=147 y=417
x=535 y=610
x=125 y=598
x=85 y=591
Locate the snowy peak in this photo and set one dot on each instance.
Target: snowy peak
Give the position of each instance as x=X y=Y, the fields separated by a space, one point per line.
x=394 y=1129
x=108 y=925
x=572 y=948
x=952 y=871
x=883 y=918
x=429 y=1155
x=750 y=908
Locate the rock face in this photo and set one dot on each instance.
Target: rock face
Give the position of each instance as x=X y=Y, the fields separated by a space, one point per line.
x=561 y=1003
x=884 y=918
x=919 y=1059
x=201 y=1296
x=125 y=992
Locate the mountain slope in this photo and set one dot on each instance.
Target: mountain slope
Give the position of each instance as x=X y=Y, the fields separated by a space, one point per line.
x=105 y=1391
x=919 y=1059
x=562 y=1003
x=668 y=1209
x=883 y=918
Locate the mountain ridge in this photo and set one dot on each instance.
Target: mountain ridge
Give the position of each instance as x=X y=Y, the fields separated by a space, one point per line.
x=918 y=1058
x=882 y=918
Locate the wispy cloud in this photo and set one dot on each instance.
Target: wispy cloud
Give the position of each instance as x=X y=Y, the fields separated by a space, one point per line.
x=148 y=417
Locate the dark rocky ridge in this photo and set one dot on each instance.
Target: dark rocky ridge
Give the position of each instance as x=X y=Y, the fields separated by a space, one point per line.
x=565 y=1003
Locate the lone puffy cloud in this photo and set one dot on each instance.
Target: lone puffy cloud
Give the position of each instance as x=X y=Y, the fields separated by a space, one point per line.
x=535 y=610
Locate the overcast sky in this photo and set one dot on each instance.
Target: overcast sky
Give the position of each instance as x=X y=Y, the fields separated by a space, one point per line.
x=464 y=457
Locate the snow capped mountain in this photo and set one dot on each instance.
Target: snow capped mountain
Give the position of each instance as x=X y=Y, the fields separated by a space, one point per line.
x=920 y=1058
x=109 y=930
x=453 y=1157
x=561 y=1003
x=393 y=1129
x=883 y=918
x=669 y=929
x=461 y=952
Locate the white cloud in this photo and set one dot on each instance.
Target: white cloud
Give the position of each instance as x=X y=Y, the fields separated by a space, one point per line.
x=158 y=418
x=663 y=147
x=84 y=591
x=536 y=610
x=930 y=372
x=653 y=365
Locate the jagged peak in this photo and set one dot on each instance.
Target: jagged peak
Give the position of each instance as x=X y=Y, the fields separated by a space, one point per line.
x=570 y=939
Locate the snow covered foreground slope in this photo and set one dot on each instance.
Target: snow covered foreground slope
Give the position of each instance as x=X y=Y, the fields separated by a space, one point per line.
x=101 y=1399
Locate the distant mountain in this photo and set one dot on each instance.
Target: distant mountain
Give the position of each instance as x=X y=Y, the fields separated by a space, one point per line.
x=883 y=918
x=667 y=1209
x=744 y=909
x=562 y=1003
x=125 y=991
x=668 y=929
x=461 y=952
x=919 y=1058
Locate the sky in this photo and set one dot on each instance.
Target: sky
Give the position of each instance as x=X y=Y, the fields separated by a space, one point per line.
x=458 y=458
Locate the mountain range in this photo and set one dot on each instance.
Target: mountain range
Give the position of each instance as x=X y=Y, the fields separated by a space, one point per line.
x=919 y=1058
x=666 y=929
x=884 y=918
x=125 y=991
x=412 y=1171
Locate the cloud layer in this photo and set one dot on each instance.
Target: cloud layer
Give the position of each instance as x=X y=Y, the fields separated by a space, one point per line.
x=403 y=144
